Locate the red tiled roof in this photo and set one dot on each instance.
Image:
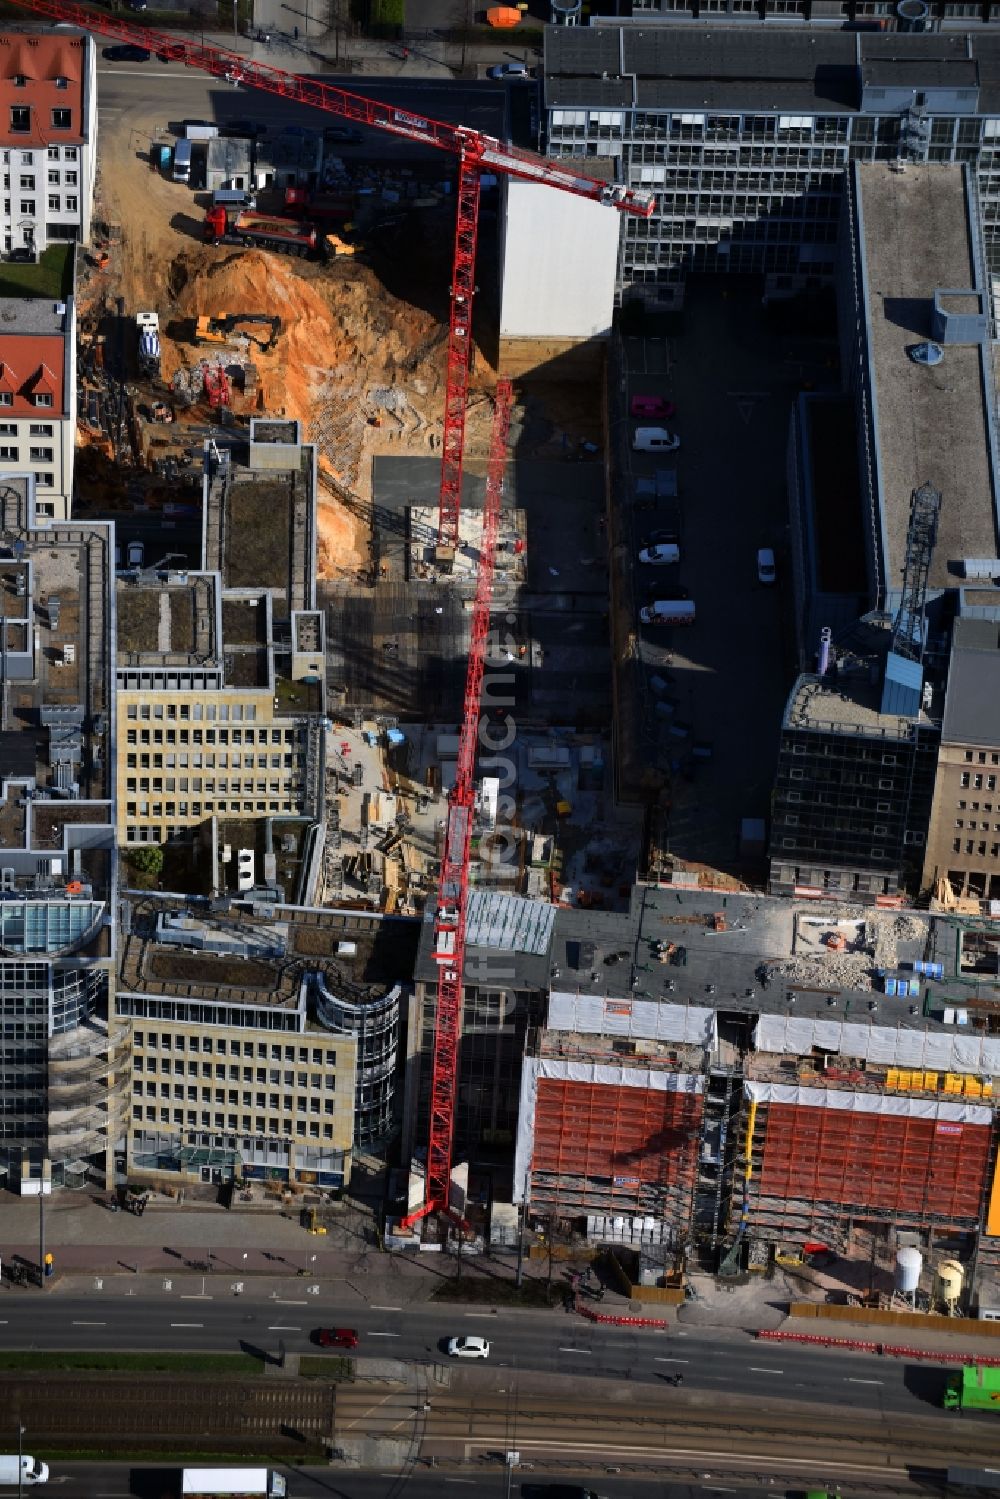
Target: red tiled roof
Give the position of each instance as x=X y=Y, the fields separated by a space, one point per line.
x=42 y=355
x=40 y=60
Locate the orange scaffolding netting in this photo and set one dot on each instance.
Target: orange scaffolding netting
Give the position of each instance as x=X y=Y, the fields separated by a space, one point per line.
x=590 y=1136
x=886 y=1162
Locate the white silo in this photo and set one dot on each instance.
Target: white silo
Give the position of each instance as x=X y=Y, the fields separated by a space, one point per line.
x=909 y=1263
x=949 y=1280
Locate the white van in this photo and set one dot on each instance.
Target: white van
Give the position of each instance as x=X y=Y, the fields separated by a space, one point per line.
x=654 y=440
x=31 y=1470
x=668 y=612
x=181 y=170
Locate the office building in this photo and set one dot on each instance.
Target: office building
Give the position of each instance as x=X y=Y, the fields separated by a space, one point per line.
x=859 y=741
x=744 y=136
x=221 y=673
x=208 y=729
x=887 y=15
x=264 y=1044
x=962 y=857
x=64 y=1059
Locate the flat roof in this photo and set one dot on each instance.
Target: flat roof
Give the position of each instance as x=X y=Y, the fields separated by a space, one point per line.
x=169 y=621
x=55 y=714
x=32 y=315
x=770 y=958
x=932 y=423
x=849 y=696
x=760 y=68
x=972 y=700
x=384 y=950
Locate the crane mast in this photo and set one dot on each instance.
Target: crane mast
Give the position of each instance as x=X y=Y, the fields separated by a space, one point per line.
x=453 y=884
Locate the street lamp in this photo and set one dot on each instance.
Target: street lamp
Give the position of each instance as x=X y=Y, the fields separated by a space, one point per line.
x=20 y=1446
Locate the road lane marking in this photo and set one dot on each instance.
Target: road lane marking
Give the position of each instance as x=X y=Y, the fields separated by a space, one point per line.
x=755 y=1370
x=865 y=1381
x=671 y=1360
x=385 y=1308
x=187 y=1324
x=283 y=1327
x=478 y=1314
x=279 y=1302
x=196 y=1296
x=121 y=73
x=88 y=1324
x=383 y=1334
x=576 y=1350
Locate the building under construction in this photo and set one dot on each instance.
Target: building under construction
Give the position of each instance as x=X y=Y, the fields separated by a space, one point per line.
x=731 y=1078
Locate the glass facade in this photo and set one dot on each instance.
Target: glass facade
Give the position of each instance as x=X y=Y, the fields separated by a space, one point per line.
x=375 y=1026
x=748 y=192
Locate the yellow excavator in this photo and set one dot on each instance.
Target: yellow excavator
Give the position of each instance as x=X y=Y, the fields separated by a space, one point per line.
x=226 y=326
x=338 y=244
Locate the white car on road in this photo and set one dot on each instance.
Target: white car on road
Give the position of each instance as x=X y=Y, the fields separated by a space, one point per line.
x=468 y=1348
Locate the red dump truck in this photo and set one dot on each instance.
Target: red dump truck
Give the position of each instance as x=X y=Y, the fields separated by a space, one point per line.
x=323 y=207
x=262 y=231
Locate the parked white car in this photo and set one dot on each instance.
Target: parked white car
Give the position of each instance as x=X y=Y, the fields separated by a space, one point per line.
x=766 y=570
x=468 y=1348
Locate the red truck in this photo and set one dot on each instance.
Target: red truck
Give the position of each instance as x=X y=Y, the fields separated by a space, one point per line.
x=263 y=231
x=319 y=205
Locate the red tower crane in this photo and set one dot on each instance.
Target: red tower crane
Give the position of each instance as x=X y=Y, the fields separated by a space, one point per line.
x=453 y=881
x=476 y=154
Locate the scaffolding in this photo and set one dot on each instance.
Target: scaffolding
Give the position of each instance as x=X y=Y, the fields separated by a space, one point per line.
x=606 y=1149
x=812 y=1171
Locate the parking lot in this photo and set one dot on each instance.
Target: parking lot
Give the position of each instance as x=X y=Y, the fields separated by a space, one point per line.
x=713 y=692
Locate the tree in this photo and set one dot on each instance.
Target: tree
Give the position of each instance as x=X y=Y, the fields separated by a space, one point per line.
x=148 y=860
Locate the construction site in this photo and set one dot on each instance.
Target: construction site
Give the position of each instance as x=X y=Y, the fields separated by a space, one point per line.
x=421 y=601
x=352 y=347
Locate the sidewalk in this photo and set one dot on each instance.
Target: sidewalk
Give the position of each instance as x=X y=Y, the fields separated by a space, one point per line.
x=86 y=1240
x=363 y=58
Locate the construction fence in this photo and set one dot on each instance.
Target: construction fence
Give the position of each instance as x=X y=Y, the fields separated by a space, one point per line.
x=873 y=1317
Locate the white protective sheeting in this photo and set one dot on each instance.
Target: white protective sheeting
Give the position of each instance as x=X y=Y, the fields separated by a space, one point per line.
x=560 y=258
x=798 y=1036
x=869 y=1103
x=606 y=1073
x=640 y=1019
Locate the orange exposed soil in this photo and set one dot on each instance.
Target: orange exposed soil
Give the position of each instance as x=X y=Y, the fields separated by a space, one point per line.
x=346 y=349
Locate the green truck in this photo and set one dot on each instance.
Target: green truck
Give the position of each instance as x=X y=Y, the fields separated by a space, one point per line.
x=973 y=1389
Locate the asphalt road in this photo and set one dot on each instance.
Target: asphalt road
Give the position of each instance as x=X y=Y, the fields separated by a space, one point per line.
x=223 y=1321
x=123 y=89
x=107 y=1481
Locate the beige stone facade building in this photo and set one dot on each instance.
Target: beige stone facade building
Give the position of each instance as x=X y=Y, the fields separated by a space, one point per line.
x=963 y=841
